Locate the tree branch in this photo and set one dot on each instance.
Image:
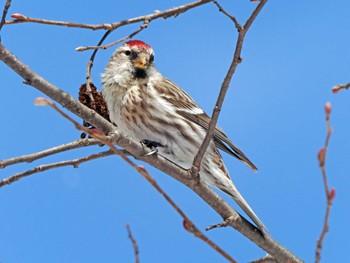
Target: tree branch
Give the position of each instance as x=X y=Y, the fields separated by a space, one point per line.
x=142 y=27
x=330 y=194
x=54 y=150
x=175 y=11
x=225 y=85
x=46 y=167
x=188 y=224
x=339 y=87
x=134 y=244
x=4 y=13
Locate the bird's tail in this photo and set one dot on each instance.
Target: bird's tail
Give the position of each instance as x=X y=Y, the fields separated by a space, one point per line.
x=246 y=208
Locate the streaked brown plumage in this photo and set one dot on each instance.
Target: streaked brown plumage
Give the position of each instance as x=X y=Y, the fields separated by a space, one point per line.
x=147 y=106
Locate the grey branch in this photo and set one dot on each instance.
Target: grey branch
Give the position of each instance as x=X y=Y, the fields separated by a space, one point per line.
x=134 y=244
x=4 y=13
x=175 y=11
x=46 y=167
x=28 y=158
x=242 y=30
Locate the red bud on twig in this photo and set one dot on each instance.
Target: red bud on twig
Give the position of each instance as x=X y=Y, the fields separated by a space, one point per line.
x=18 y=16
x=328 y=109
x=41 y=101
x=336 y=89
x=331 y=194
x=321 y=156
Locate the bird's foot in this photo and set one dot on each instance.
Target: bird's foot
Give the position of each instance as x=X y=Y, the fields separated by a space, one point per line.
x=152 y=145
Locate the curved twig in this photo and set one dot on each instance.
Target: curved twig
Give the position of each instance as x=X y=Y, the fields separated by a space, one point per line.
x=242 y=30
x=4 y=13
x=28 y=158
x=330 y=194
x=45 y=167
x=134 y=243
x=175 y=11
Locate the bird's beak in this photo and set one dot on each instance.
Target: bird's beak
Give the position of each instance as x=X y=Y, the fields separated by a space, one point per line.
x=141 y=62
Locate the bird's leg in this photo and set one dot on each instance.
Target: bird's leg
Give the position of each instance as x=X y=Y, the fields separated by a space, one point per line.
x=152 y=145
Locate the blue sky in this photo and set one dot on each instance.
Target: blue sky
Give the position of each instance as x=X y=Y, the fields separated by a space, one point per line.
x=294 y=54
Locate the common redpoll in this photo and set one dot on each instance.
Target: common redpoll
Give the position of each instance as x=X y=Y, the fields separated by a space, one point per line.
x=150 y=108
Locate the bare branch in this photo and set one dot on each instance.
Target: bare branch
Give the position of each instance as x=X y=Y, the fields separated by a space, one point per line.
x=134 y=243
x=46 y=167
x=4 y=13
x=188 y=224
x=19 y=18
x=225 y=85
x=175 y=11
x=142 y=27
x=54 y=150
x=266 y=259
x=330 y=194
x=221 y=9
x=339 y=87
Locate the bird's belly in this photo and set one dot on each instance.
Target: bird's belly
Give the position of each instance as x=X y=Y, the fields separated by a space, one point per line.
x=173 y=146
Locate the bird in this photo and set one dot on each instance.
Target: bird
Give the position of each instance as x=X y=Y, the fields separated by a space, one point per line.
x=150 y=108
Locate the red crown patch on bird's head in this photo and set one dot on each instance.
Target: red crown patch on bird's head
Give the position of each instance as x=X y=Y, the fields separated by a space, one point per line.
x=138 y=43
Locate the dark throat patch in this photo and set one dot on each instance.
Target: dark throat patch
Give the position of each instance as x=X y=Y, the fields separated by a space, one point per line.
x=140 y=74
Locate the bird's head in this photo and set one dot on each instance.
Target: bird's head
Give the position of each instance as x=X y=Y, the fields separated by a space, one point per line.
x=139 y=53
x=136 y=56
x=134 y=60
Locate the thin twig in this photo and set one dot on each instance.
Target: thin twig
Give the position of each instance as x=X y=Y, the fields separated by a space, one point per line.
x=89 y=67
x=188 y=224
x=134 y=244
x=175 y=11
x=330 y=194
x=4 y=13
x=221 y=9
x=266 y=259
x=225 y=85
x=54 y=150
x=75 y=163
x=142 y=27
x=339 y=87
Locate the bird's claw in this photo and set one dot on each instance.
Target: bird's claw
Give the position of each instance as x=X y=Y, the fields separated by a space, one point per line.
x=152 y=145
x=151 y=152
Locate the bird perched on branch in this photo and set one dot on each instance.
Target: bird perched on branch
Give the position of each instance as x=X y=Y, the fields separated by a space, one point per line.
x=150 y=108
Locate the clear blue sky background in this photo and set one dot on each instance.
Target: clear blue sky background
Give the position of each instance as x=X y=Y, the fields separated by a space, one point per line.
x=293 y=55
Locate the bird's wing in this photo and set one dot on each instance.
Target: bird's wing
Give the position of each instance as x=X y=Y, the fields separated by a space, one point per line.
x=189 y=109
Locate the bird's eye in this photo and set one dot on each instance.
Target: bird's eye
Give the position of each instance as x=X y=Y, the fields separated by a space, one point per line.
x=151 y=59
x=128 y=52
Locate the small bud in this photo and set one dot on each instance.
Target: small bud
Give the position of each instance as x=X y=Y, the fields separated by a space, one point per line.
x=18 y=16
x=79 y=49
x=186 y=225
x=336 y=89
x=331 y=194
x=41 y=102
x=328 y=109
x=321 y=156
